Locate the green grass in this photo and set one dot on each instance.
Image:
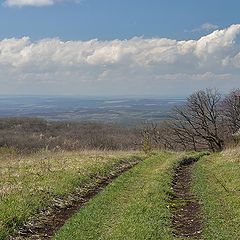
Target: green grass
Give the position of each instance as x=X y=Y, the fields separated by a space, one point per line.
x=221 y=207
x=135 y=206
x=30 y=182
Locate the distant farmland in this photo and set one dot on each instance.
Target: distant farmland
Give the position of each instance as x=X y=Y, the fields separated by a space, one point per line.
x=127 y=111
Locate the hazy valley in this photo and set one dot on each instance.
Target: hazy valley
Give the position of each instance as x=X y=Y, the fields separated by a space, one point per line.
x=126 y=111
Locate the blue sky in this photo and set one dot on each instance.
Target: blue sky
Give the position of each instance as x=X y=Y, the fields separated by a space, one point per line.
x=48 y=46
x=111 y=19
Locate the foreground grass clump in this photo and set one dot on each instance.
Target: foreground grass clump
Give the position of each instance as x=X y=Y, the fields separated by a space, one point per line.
x=134 y=206
x=31 y=182
x=216 y=182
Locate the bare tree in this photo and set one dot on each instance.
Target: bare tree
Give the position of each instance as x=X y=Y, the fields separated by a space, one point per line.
x=30 y=135
x=182 y=134
x=198 y=121
x=231 y=110
x=161 y=136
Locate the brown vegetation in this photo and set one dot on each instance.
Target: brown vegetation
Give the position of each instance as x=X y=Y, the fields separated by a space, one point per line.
x=29 y=135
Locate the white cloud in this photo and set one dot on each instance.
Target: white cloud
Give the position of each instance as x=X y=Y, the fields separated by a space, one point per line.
x=214 y=56
x=33 y=3
x=209 y=26
x=205 y=27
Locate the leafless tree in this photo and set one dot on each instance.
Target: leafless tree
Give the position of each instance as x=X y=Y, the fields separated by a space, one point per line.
x=231 y=110
x=160 y=135
x=30 y=135
x=198 y=121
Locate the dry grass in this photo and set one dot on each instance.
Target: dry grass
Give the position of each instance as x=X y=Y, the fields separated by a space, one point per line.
x=232 y=154
x=30 y=182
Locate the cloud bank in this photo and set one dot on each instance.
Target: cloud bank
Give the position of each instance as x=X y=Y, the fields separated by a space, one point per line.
x=212 y=57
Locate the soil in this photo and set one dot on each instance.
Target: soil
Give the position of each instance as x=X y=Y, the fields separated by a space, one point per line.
x=47 y=222
x=186 y=209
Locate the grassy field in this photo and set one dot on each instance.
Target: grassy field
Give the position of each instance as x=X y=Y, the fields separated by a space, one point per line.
x=217 y=183
x=134 y=206
x=30 y=182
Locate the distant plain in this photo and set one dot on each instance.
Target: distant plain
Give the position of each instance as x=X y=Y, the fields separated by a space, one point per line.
x=125 y=111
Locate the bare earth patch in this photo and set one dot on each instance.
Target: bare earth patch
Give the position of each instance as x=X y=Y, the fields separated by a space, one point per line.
x=186 y=209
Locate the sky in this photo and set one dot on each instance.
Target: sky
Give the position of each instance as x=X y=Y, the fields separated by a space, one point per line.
x=118 y=48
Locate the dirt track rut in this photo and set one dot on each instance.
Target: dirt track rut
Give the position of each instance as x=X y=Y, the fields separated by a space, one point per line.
x=186 y=209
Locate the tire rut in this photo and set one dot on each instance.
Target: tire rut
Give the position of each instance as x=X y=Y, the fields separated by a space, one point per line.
x=186 y=209
x=45 y=224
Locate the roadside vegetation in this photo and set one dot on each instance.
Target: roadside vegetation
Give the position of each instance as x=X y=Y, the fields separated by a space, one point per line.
x=216 y=182
x=29 y=183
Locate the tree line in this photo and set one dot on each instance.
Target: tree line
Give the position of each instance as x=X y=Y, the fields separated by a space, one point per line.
x=207 y=120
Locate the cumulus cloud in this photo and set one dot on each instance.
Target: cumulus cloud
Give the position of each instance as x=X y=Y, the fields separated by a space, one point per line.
x=33 y=3
x=214 y=56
